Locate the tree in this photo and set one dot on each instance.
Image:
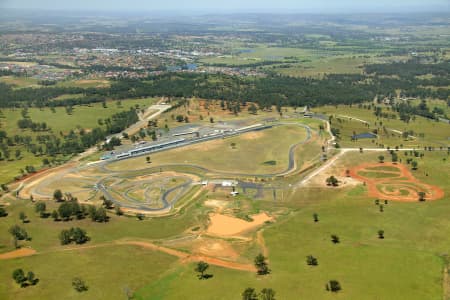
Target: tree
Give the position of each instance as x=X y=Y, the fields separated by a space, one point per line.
x=19 y=277
x=333 y=286
x=201 y=268
x=147 y=159
x=414 y=165
x=100 y=215
x=332 y=181
x=381 y=234
x=261 y=265
x=211 y=120
x=421 y=196
x=58 y=195
x=316 y=217
x=335 y=239
x=394 y=158
x=22 y=217
x=249 y=294
x=252 y=109
x=55 y=215
x=140 y=216
x=3 y=212
x=18 y=232
x=31 y=278
x=40 y=208
x=79 y=285
x=78 y=235
x=65 y=237
x=118 y=210
x=381 y=159
x=108 y=203
x=267 y=294
x=311 y=261
x=65 y=210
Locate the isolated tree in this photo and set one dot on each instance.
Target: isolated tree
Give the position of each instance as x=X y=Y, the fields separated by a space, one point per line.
x=421 y=196
x=58 y=195
x=140 y=216
x=22 y=217
x=414 y=165
x=79 y=285
x=381 y=159
x=249 y=294
x=311 y=261
x=316 y=217
x=261 y=265
x=19 y=277
x=381 y=208
x=201 y=268
x=381 y=234
x=267 y=294
x=211 y=120
x=332 y=181
x=334 y=286
x=347 y=173
x=335 y=239
x=147 y=159
x=40 y=208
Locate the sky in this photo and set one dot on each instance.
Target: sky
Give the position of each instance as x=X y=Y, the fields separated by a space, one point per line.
x=297 y=6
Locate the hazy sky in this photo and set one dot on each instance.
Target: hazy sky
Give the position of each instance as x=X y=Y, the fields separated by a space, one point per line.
x=315 y=6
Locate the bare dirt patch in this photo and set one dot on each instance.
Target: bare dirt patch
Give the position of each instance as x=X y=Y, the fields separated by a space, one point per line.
x=214 y=248
x=254 y=135
x=223 y=225
x=404 y=188
x=219 y=204
x=22 y=252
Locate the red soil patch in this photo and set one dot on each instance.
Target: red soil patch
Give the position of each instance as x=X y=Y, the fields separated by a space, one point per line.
x=22 y=252
x=403 y=187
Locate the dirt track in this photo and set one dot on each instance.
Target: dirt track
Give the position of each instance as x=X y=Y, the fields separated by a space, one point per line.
x=400 y=186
